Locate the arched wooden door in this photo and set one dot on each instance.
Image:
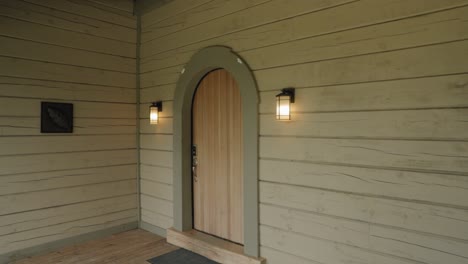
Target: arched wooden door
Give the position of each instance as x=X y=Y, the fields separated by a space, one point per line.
x=217 y=157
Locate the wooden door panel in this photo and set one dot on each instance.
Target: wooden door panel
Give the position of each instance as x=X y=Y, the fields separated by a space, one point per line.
x=217 y=133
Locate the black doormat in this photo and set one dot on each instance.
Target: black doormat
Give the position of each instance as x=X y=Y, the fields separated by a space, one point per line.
x=181 y=256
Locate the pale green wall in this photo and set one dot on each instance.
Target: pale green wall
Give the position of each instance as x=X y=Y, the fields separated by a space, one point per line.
x=63 y=187
x=373 y=166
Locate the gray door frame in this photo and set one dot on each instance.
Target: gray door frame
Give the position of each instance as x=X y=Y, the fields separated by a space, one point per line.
x=199 y=65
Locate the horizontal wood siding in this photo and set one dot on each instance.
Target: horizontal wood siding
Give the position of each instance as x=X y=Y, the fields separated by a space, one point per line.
x=373 y=167
x=57 y=186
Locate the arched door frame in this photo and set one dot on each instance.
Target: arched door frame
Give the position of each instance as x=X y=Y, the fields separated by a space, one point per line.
x=200 y=64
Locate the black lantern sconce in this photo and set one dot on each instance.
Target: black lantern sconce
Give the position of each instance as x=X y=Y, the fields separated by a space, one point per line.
x=283 y=103
x=155 y=108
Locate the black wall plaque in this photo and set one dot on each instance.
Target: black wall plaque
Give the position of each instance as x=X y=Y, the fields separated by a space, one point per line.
x=56 y=117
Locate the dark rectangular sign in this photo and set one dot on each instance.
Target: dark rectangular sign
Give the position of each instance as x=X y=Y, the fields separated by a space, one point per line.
x=56 y=117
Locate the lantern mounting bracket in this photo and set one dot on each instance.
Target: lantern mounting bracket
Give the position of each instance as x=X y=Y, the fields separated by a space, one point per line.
x=157 y=105
x=289 y=91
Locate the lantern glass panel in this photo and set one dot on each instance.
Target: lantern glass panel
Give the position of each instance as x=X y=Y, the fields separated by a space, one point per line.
x=154 y=115
x=283 y=107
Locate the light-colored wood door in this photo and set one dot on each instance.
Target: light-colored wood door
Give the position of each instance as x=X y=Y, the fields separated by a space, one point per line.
x=217 y=176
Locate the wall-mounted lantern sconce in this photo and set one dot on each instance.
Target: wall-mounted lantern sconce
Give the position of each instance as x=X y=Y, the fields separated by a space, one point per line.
x=283 y=104
x=155 y=108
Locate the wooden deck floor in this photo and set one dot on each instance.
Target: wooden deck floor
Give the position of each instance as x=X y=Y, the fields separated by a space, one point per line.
x=132 y=247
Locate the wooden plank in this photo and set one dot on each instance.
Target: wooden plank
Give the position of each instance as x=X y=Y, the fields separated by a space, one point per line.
x=53 y=233
x=428 y=29
x=431 y=219
x=420 y=247
x=110 y=8
x=402 y=243
x=157 y=205
x=141 y=254
x=306 y=26
x=23 y=221
x=440 y=124
x=64 y=20
x=31 y=108
x=105 y=126
x=14 y=126
x=12 y=146
x=31 y=126
x=340 y=230
x=156 y=158
x=124 y=5
x=322 y=251
x=401 y=64
x=161 y=77
x=167 y=59
x=273 y=11
x=164 y=126
x=156 y=174
x=196 y=16
x=169 y=10
x=398 y=154
x=156 y=142
x=65 y=161
x=163 y=92
x=44 y=34
x=211 y=247
x=156 y=219
x=135 y=246
x=156 y=189
x=430 y=92
x=136 y=250
x=31 y=182
x=22 y=68
x=414 y=186
x=33 y=88
x=26 y=49
x=277 y=257
x=79 y=8
x=120 y=242
x=56 y=197
x=218 y=178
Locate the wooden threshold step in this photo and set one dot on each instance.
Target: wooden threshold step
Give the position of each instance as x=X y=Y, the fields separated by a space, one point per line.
x=216 y=249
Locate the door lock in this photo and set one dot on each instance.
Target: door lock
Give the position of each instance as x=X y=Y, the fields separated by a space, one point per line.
x=194 y=162
x=194 y=150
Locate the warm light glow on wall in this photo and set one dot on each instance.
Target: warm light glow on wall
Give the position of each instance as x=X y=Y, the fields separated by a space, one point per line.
x=155 y=108
x=283 y=104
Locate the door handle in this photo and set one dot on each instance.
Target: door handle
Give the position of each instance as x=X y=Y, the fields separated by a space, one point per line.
x=194 y=168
